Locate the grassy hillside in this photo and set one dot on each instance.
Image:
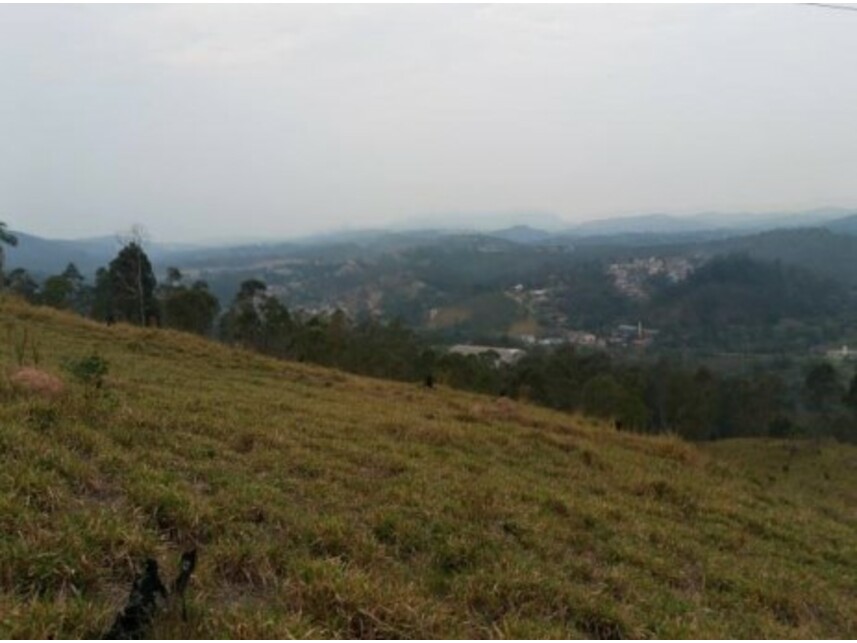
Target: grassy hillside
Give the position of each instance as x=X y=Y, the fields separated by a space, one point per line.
x=330 y=505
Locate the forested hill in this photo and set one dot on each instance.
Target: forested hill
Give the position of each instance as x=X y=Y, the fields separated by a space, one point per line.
x=825 y=252
x=328 y=505
x=732 y=291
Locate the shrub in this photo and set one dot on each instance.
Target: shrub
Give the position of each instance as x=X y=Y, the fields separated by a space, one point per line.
x=782 y=427
x=89 y=370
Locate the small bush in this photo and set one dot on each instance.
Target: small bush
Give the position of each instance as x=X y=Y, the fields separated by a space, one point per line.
x=42 y=417
x=782 y=427
x=89 y=370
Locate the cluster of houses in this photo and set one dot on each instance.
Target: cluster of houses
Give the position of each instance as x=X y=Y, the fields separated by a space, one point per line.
x=842 y=354
x=630 y=277
x=539 y=302
x=575 y=337
x=623 y=336
x=627 y=335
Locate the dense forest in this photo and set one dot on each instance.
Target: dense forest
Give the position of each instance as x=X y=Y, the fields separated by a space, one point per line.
x=734 y=302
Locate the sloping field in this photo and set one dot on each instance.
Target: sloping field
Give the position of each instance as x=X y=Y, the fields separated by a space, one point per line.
x=329 y=505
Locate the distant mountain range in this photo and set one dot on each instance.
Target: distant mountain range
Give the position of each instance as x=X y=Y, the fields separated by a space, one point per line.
x=520 y=226
x=710 y=222
x=845 y=225
x=48 y=256
x=483 y=221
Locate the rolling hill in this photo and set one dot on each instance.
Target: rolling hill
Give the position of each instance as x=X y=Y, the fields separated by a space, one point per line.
x=328 y=505
x=50 y=256
x=817 y=249
x=43 y=257
x=845 y=225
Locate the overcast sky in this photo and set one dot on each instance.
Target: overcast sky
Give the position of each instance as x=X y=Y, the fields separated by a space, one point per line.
x=203 y=122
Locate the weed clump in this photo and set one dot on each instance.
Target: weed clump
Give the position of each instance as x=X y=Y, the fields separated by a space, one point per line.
x=23 y=345
x=89 y=371
x=601 y=624
x=42 y=417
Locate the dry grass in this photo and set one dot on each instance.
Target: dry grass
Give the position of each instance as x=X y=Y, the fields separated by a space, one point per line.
x=329 y=505
x=32 y=380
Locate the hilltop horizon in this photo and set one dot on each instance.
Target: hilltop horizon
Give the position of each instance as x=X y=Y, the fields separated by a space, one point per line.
x=480 y=222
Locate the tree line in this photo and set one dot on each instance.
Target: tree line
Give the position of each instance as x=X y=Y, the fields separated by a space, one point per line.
x=655 y=397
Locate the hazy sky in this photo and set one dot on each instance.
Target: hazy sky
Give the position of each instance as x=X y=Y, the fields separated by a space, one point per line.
x=207 y=121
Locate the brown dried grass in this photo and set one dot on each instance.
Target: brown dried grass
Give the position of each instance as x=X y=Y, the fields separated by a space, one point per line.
x=38 y=382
